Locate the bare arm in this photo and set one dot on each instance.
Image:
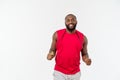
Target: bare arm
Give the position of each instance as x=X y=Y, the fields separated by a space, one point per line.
x=85 y=56
x=52 y=50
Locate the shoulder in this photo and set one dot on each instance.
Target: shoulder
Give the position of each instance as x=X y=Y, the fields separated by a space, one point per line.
x=82 y=36
x=60 y=30
x=80 y=33
x=85 y=40
x=58 y=33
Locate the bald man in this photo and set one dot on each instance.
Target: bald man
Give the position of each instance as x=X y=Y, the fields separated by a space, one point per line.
x=68 y=47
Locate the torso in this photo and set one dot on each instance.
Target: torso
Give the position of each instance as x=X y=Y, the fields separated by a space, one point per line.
x=68 y=51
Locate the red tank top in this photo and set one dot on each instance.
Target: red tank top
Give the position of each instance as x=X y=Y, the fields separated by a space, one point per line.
x=68 y=49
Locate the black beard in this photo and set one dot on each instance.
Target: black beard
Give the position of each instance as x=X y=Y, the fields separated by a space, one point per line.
x=69 y=29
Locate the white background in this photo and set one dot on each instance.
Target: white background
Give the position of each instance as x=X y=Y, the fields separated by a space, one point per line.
x=26 y=28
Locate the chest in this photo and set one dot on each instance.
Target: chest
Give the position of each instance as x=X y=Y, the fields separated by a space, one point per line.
x=71 y=41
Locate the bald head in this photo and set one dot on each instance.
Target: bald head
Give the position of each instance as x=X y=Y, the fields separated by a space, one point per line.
x=70 y=15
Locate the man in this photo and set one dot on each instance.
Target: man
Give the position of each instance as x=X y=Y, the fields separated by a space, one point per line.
x=67 y=44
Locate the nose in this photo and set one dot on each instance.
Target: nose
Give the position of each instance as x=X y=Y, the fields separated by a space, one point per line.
x=71 y=21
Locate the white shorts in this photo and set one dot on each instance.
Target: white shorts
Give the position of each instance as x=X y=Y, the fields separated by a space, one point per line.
x=61 y=76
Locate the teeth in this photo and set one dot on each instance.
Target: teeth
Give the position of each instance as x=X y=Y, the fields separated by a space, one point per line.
x=71 y=25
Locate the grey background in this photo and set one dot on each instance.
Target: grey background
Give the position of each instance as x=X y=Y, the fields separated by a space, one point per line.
x=26 y=28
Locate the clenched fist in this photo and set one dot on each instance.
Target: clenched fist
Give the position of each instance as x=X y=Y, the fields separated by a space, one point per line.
x=87 y=61
x=50 y=55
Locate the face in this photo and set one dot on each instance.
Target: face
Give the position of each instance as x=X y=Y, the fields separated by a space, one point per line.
x=70 y=22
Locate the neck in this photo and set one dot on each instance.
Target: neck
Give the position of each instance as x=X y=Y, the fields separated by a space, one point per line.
x=70 y=32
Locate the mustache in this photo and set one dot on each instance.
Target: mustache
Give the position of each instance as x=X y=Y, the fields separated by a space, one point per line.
x=70 y=24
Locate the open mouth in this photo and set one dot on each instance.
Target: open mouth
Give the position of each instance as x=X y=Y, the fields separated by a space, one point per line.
x=71 y=25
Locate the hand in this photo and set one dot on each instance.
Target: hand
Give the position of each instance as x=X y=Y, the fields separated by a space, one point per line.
x=50 y=56
x=88 y=61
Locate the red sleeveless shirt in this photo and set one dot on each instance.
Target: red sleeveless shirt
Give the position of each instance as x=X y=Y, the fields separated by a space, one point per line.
x=68 y=49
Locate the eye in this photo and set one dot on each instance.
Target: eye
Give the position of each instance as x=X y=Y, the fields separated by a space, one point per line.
x=67 y=20
x=73 y=20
